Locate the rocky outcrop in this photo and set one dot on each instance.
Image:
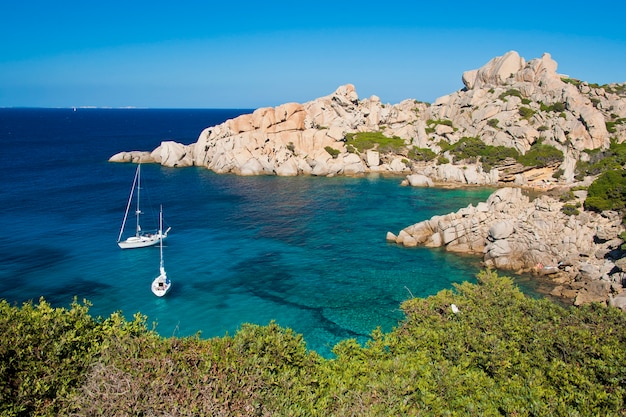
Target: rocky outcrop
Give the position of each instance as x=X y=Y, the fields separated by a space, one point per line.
x=507 y=102
x=581 y=253
x=291 y=139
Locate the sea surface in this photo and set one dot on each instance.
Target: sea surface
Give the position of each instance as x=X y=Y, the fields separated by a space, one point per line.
x=307 y=252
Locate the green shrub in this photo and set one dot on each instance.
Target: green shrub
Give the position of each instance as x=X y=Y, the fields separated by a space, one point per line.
x=619 y=89
x=442 y=160
x=445 y=122
x=600 y=161
x=494 y=155
x=473 y=148
x=570 y=210
x=444 y=145
x=526 y=112
x=493 y=123
x=557 y=107
x=572 y=81
x=421 y=154
x=468 y=148
x=502 y=353
x=607 y=192
x=610 y=125
x=46 y=351
x=431 y=124
x=332 y=151
x=540 y=155
x=511 y=92
x=363 y=141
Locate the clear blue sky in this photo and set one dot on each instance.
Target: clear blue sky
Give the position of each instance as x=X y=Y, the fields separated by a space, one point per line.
x=250 y=54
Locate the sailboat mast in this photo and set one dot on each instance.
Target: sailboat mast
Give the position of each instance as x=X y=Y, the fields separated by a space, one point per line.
x=161 y=268
x=138 y=211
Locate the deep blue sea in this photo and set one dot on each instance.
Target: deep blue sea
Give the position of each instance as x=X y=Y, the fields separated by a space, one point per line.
x=307 y=252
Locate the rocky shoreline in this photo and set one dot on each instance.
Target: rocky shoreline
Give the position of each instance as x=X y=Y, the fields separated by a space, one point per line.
x=578 y=254
x=508 y=103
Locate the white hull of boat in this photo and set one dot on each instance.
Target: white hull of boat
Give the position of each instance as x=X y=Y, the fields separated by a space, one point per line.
x=141 y=241
x=161 y=284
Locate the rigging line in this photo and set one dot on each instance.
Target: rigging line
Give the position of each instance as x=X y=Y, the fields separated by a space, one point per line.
x=130 y=199
x=149 y=208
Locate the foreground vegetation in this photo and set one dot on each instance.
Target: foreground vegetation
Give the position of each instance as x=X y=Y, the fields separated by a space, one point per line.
x=502 y=354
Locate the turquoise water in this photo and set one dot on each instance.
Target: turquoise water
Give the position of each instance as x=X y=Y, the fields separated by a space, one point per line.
x=307 y=252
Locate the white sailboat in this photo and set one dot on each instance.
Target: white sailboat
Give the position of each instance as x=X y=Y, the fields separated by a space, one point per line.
x=140 y=239
x=161 y=284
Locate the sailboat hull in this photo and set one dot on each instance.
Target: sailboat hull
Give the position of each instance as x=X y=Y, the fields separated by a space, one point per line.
x=161 y=285
x=141 y=241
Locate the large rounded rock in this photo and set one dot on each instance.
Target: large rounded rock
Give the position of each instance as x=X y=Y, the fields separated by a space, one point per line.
x=501 y=230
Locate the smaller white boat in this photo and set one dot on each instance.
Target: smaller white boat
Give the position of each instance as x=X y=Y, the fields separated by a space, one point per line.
x=161 y=284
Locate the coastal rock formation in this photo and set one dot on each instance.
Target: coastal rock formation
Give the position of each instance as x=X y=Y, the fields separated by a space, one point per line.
x=580 y=253
x=291 y=139
x=507 y=102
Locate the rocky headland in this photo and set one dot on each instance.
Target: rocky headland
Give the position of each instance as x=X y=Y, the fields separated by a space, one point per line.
x=507 y=103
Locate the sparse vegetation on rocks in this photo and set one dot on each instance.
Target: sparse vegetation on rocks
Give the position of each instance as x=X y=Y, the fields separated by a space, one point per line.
x=332 y=151
x=541 y=155
x=374 y=140
x=421 y=154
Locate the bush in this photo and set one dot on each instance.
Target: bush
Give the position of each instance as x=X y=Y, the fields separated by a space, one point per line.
x=610 y=126
x=468 y=148
x=472 y=148
x=540 y=155
x=607 y=192
x=572 y=81
x=332 y=151
x=526 y=112
x=494 y=155
x=421 y=154
x=601 y=161
x=445 y=122
x=557 y=107
x=511 y=92
x=493 y=123
x=442 y=160
x=375 y=140
x=502 y=353
x=431 y=125
x=45 y=353
x=570 y=209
